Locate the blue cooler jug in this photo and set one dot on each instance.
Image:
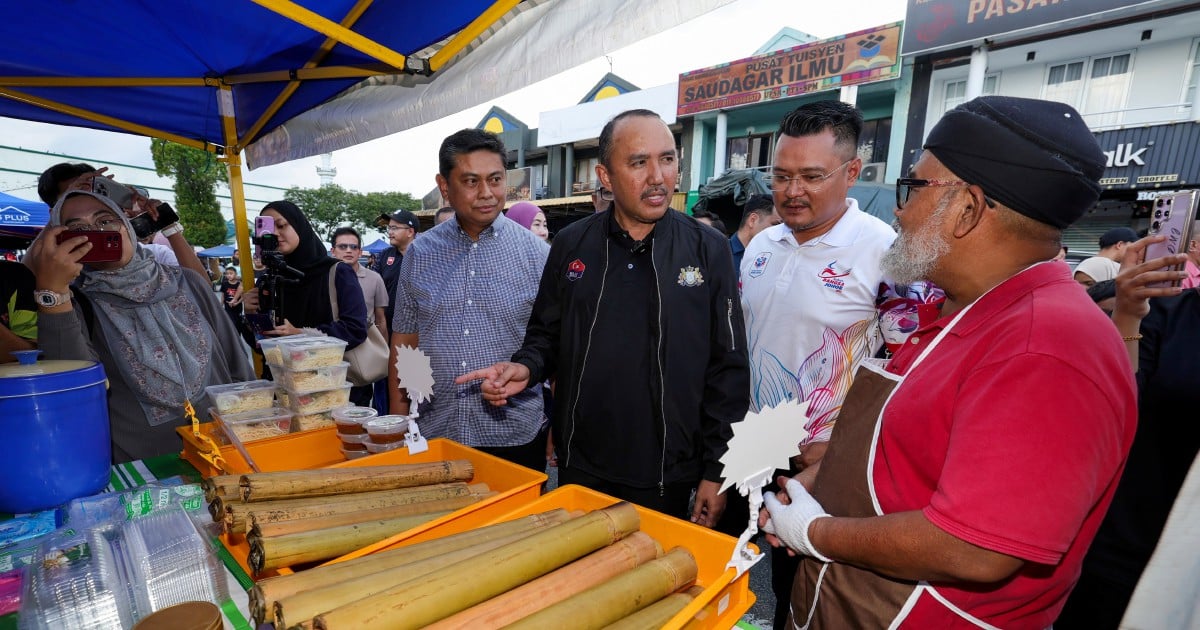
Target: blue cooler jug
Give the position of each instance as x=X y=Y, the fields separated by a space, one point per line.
x=54 y=419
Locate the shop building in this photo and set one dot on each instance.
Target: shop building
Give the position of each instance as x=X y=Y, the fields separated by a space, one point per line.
x=1130 y=68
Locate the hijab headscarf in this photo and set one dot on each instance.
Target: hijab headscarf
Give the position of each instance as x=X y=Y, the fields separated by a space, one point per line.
x=523 y=212
x=305 y=304
x=157 y=336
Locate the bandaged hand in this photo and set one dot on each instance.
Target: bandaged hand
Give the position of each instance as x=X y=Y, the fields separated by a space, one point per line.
x=790 y=522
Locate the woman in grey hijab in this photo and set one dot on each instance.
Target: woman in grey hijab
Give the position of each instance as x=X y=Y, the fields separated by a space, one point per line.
x=159 y=331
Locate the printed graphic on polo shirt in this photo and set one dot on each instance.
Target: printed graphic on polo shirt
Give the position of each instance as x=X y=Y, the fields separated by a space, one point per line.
x=575 y=270
x=831 y=276
x=760 y=264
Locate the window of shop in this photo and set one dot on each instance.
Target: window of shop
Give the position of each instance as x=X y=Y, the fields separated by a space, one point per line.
x=1189 y=92
x=956 y=91
x=585 y=175
x=1097 y=87
x=752 y=151
x=873 y=141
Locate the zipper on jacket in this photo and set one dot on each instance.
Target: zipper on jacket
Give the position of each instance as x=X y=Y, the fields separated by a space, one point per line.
x=662 y=387
x=729 y=320
x=586 y=350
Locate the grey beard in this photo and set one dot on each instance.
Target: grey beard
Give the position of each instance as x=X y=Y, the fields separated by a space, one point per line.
x=912 y=257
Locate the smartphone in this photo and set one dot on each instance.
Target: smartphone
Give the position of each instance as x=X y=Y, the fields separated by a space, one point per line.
x=1172 y=216
x=259 y=324
x=117 y=193
x=144 y=226
x=106 y=246
x=264 y=225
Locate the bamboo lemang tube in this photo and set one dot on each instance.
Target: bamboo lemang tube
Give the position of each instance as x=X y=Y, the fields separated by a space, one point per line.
x=657 y=615
x=301 y=607
x=266 y=592
x=317 y=483
x=619 y=597
x=450 y=589
x=586 y=572
x=280 y=528
x=224 y=486
x=322 y=544
x=283 y=510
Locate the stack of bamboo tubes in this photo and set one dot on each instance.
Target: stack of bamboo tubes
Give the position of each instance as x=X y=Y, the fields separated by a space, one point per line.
x=294 y=517
x=549 y=570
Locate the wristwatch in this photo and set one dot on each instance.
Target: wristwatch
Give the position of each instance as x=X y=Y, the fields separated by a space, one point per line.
x=171 y=230
x=50 y=299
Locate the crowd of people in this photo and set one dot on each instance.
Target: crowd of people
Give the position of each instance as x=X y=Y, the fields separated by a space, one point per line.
x=986 y=447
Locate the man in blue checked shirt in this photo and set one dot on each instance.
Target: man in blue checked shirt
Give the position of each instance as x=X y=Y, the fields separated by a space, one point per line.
x=464 y=295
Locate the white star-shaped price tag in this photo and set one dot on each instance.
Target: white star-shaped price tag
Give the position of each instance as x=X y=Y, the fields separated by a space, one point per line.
x=416 y=375
x=761 y=443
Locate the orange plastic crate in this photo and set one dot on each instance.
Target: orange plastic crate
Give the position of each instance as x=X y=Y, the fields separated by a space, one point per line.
x=317 y=448
x=513 y=484
x=723 y=601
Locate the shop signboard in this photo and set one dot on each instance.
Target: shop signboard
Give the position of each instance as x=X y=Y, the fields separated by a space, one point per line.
x=852 y=59
x=934 y=24
x=1157 y=156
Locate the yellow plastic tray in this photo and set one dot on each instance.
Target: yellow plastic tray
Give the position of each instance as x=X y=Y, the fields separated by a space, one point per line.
x=512 y=483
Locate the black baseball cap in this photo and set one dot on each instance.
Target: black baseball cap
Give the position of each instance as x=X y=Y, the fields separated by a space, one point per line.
x=400 y=216
x=1117 y=235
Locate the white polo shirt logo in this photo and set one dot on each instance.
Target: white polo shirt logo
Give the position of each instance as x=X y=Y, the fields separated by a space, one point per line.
x=760 y=264
x=832 y=277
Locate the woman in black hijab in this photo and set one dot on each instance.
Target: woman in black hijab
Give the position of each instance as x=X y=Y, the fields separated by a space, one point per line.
x=306 y=303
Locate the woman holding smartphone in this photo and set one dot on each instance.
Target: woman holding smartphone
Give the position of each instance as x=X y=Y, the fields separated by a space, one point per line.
x=158 y=330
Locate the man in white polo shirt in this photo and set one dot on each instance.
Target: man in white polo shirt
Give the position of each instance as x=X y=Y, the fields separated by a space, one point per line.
x=814 y=299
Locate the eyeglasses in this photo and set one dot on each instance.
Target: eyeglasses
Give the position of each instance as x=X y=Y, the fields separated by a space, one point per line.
x=107 y=222
x=397 y=228
x=905 y=186
x=809 y=182
x=346 y=246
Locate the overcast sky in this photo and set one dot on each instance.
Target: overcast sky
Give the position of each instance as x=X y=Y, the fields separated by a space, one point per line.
x=407 y=161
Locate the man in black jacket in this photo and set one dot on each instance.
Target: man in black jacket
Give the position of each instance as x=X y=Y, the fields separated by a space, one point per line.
x=637 y=317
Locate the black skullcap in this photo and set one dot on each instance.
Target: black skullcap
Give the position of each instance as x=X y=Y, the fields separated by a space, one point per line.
x=1037 y=157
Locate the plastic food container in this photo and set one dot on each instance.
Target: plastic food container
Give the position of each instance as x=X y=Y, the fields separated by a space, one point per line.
x=241 y=397
x=303 y=352
x=387 y=429
x=259 y=424
x=383 y=448
x=354 y=441
x=355 y=454
x=317 y=402
x=54 y=417
x=349 y=420
x=312 y=421
x=312 y=380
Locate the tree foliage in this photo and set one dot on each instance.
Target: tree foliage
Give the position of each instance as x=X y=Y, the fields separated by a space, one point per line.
x=196 y=174
x=332 y=206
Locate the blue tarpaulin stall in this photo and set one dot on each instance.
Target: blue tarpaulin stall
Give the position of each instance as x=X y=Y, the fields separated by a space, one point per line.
x=220 y=251
x=376 y=247
x=20 y=220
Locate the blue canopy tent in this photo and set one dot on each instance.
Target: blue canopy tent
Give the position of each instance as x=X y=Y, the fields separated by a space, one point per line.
x=224 y=76
x=20 y=221
x=220 y=251
x=376 y=247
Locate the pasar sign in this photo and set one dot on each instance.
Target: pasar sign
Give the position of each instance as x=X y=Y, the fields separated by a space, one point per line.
x=852 y=59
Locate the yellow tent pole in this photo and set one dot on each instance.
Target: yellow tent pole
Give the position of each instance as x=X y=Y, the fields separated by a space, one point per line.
x=107 y=81
x=322 y=51
x=237 y=194
x=324 y=26
x=306 y=73
x=468 y=34
x=141 y=130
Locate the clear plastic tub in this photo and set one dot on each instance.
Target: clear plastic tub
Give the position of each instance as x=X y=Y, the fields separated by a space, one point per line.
x=354 y=454
x=313 y=421
x=260 y=424
x=317 y=402
x=311 y=380
x=354 y=441
x=349 y=420
x=387 y=429
x=383 y=448
x=241 y=397
x=303 y=352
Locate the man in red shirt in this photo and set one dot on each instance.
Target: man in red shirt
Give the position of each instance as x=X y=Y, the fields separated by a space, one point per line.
x=978 y=464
